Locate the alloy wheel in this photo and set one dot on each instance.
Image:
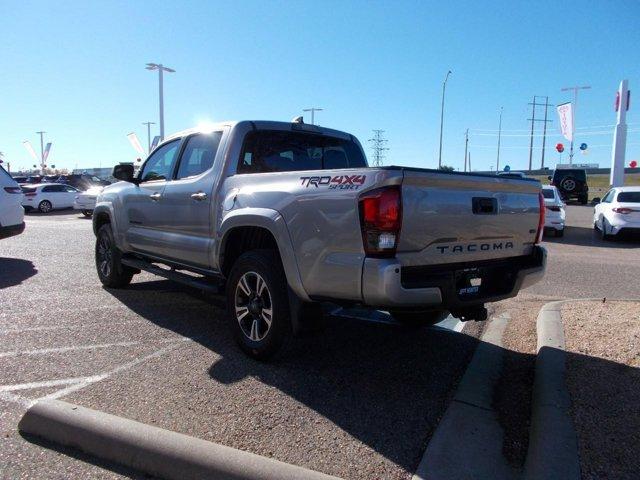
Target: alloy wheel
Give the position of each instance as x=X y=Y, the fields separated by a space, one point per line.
x=253 y=306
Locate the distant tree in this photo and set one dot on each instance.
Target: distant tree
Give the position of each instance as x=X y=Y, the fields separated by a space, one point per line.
x=446 y=168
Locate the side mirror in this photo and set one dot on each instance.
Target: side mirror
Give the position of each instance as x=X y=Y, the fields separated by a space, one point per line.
x=123 y=172
x=549 y=177
x=595 y=201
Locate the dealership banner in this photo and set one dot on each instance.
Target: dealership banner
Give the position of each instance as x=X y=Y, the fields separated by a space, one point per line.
x=565 y=112
x=45 y=154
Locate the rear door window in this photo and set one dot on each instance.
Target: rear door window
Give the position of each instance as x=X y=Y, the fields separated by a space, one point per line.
x=281 y=151
x=198 y=154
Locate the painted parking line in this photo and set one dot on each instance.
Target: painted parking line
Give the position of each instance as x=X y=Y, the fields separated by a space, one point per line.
x=46 y=351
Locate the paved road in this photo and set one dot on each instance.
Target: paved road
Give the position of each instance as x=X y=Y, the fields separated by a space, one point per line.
x=358 y=401
x=581 y=265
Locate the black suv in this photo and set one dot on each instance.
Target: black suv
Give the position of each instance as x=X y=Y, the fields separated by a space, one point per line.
x=571 y=183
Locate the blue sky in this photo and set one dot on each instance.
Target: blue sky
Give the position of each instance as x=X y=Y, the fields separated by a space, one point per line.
x=76 y=70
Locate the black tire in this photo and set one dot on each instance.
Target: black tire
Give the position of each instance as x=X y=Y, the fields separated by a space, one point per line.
x=417 y=319
x=560 y=233
x=87 y=213
x=603 y=231
x=255 y=286
x=584 y=199
x=45 y=206
x=110 y=270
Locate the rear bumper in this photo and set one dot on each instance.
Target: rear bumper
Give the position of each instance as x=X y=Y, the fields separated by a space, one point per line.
x=11 y=230
x=385 y=283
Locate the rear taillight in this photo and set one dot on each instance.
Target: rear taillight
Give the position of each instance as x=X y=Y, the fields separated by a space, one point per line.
x=540 y=218
x=380 y=220
x=553 y=208
x=13 y=189
x=622 y=210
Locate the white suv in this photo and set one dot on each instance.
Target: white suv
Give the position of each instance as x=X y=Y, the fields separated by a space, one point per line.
x=11 y=211
x=618 y=211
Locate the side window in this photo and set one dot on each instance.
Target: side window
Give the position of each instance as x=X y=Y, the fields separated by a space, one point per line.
x=70 y=189
x=198 y=154
x=160 y=164
x=607 y=198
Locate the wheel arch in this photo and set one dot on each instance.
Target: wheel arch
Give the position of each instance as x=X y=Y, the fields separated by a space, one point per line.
x=251 y=228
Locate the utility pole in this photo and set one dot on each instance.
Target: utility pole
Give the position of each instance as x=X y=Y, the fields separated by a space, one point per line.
x=444 y=85
x=377 y=143
x=466 y=145
x=573 y=110
x=544 y=134
x=499 y=134
x=41 y=151
x=313 y=110
x=148 y=124
x=161 y=69
x=533 y=119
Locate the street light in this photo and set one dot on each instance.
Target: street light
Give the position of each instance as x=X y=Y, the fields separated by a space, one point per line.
x=161 y=68
x=444 y=85
x=148 y=124
x=313 y=110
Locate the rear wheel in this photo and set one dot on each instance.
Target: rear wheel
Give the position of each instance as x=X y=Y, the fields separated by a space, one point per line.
x=417 y=319
x=111 y=272
x=87 y=213
x=45 y=206
x=258 y=305
x=603 y=230
x=560 y=233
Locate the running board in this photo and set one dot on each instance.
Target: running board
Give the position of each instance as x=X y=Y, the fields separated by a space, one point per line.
x=201 y=283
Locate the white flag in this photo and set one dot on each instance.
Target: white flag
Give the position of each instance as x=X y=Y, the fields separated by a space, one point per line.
x=30 y=149
x=135 y=143
x=565 y=112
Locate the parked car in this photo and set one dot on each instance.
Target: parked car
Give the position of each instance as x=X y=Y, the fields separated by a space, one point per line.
x=82 y=181
x=20 y=179
x=34 y=179
x=86 y=201
x=11 y=211
x=512 y=174
x=286 y=215
x=618 y=212
x=49 y=179
x=554 y=210
x=46 y=197
x=571 y=183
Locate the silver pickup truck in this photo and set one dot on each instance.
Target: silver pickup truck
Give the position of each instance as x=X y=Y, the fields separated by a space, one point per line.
x=283 y=216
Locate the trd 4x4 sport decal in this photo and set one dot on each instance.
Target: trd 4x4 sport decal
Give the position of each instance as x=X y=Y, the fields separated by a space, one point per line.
x=342 y=182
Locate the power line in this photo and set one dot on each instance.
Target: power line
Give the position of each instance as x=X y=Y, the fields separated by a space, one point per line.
x=533 y=119
x=378 y=145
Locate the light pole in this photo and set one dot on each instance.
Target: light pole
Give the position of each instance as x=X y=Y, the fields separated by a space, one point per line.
x=41 y=151
x=499 y=134
x=574 y=108
x=444 y=85
x=161 y=69
x=148 y=124
x=313 y=110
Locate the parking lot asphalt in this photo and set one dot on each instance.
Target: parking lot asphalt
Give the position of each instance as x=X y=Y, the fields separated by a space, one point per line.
x=582 y=265
x=360 y=400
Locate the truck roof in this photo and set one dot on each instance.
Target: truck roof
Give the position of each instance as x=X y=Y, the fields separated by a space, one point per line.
x=262 y=125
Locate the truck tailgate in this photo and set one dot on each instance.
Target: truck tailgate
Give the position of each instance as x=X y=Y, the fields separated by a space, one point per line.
x=453 y=217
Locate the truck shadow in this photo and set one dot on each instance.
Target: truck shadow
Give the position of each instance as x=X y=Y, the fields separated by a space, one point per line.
x=14 y=271
x=382 y=384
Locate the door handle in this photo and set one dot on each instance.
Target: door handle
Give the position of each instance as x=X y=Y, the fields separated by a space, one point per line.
x=199 y=196
x=155 y=196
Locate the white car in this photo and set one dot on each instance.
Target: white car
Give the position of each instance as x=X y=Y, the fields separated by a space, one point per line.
x=554 y=214
x=86 y=201
x=11 y=211
x=618 y=211
x=45 y=197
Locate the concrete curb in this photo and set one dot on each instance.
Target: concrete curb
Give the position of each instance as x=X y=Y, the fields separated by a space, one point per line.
x=150 y=449
x=467 y=443
x=553 y=444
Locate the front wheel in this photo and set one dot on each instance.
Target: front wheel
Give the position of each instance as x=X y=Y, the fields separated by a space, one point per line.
x=87 y=213
x=258 y=305
x=417 y=319
x=111 y=272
